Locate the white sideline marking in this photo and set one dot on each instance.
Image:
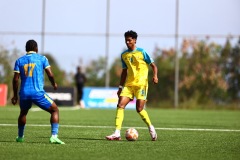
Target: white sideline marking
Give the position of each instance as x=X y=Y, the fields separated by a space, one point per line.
x=170 y=129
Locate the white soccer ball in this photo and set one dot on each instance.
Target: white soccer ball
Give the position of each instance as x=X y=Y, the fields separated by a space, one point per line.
x=131 y=134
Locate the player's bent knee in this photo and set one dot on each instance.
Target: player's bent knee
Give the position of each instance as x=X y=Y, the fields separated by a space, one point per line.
x=53 y=108
x=139 y=109
x=120 y=106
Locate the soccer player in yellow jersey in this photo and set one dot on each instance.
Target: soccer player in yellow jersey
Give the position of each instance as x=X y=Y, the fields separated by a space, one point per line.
x=134 y=83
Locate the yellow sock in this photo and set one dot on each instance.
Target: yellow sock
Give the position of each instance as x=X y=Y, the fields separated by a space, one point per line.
x=119 y=118
x=145 y=117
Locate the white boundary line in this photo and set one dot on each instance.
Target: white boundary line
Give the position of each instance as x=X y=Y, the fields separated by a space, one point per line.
x=170 y=129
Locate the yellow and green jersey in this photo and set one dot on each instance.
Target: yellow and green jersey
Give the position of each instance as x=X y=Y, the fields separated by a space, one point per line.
x=136 y=62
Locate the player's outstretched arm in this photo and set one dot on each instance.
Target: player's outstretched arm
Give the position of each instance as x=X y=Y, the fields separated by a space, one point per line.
x=51 y=77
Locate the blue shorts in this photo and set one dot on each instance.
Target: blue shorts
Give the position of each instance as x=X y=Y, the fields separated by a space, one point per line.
x=43 y=101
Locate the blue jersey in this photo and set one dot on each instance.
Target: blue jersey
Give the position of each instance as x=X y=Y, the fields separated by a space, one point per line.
x=31 y=68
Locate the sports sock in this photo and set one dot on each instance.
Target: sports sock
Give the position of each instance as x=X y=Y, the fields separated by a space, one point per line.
x=119 y=118
x=21 y=130
x=54 y=127
x=117 y=132
x=145 y=117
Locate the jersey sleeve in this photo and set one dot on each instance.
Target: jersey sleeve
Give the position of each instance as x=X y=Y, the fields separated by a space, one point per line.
x=123 y=63
x=16 y=67
x=147 y=58
x=45 y=63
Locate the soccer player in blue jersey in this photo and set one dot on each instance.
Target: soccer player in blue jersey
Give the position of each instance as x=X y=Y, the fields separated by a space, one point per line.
x=30 y=69
x=134 y=83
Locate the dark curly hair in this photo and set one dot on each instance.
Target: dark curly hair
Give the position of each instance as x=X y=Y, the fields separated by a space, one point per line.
x=131 y=33
x=31 y=45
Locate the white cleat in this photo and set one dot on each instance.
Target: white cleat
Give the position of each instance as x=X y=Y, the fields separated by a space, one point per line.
x=153 y=133
x=113 y=137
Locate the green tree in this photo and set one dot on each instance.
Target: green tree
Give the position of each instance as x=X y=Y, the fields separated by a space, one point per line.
x=233 y=72
x=7 y=59
x=163 y=91
x=115 y=72
x=95 y=72
x=59 y=75
x=202 y=78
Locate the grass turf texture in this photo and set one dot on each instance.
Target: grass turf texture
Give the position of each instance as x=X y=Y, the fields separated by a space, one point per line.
x=84 y=133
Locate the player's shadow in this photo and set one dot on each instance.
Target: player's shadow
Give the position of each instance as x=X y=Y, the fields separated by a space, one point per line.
x=88 y=139
x=14 y=141
x=77 y=138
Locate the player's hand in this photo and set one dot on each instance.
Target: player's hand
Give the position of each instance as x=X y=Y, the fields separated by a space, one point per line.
x=155 y=80
x=55 y=86
x=14 y=100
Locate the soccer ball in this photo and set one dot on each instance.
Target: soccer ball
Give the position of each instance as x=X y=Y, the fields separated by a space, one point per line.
x=131 y=134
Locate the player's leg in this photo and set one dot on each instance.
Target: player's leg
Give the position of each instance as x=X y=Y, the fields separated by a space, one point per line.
x=81 y=103
x=25 y=105
x=21 y=125
x=77 y=98
x=141 y=95
x=142 y=112
x=122 y=102
x=54 y=120
x=47 y=104
x=144 y=115
x=78 y=95
x=125 y=97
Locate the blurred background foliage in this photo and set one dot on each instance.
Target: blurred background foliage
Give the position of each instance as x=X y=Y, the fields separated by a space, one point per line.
x=209 y=74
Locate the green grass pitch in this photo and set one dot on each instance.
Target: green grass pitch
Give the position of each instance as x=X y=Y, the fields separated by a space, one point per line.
x=182 y=134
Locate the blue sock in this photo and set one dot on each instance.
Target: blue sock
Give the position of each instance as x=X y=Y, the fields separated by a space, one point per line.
x=21 y=130
x=54 y=127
